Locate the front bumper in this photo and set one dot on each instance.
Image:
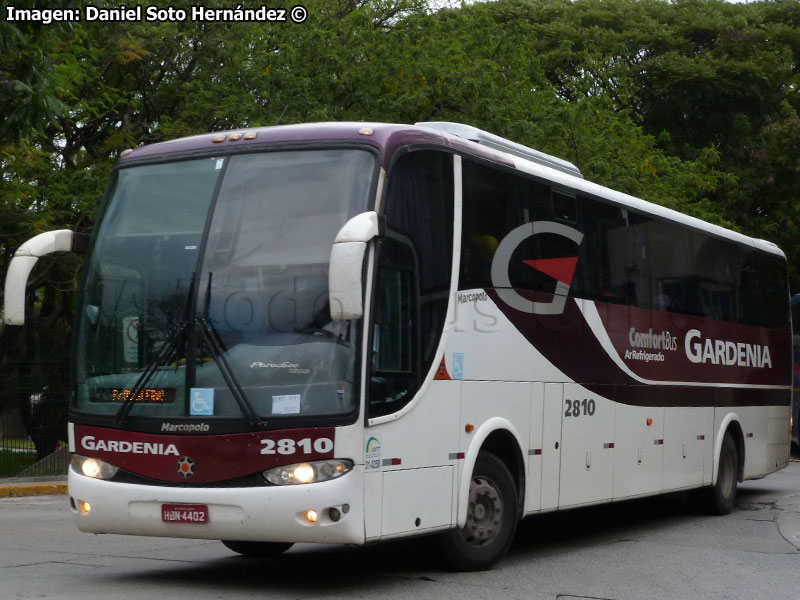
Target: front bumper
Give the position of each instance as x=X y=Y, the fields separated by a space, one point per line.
x=268 y=514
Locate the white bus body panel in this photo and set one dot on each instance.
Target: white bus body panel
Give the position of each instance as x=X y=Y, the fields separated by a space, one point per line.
x=778 y=436
x=411 y=466
x=491 y=348
x=587 y=451
x=638 y=450
x=533 y=479
x=551 y=444
x=688 y=447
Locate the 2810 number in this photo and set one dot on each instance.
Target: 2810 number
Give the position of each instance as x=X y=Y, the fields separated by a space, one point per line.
x=577 y=408
x=290 y=446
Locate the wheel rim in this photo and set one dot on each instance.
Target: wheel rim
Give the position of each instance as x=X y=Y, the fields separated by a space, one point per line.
x=485 y=512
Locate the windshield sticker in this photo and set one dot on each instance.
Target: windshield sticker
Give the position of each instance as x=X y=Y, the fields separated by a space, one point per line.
x=286 y=405
x=130 y=339
x=458 y=365
x=202 y=404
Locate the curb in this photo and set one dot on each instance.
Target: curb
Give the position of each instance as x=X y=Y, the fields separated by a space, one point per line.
x=16 y=490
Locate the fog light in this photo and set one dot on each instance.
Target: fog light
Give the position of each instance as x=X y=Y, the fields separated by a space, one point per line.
x=84 y=507
x=334 y=514
x=311 y=516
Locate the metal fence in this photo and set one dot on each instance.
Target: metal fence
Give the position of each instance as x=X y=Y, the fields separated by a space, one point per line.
x=33 y=418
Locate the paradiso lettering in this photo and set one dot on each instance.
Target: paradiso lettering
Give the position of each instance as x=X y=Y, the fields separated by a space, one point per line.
x=90 y=443
x=724 y=352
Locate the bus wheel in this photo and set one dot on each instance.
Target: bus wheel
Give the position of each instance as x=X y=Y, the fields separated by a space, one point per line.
x=492 y=516
x=720 y=498
x=258 y=549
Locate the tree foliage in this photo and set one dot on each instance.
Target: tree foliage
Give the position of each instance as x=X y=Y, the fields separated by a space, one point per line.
x=692 y=104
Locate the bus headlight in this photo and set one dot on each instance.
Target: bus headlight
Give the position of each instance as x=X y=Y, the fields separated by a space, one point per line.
x=93 y=467
x=308 y=472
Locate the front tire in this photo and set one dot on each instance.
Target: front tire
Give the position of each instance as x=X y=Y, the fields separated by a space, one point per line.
x=258 y=549
x=492 y=516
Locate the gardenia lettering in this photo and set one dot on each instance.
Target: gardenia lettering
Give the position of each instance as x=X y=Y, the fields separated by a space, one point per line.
x=724 y=352
x=90 y=443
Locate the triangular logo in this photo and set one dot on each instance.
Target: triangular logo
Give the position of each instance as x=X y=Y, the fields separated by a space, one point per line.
x=562 y=269
x=441 y=372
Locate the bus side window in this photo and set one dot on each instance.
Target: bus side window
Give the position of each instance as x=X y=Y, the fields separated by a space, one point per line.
x=613 y=255
x=394 y=330
x=412 y=288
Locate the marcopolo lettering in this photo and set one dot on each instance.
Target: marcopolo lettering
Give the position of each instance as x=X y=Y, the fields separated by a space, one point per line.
x=724 y=352
x=185 y=427
x=472 y=297
x=89 y=442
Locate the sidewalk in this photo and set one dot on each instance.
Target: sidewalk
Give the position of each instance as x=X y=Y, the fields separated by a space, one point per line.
x=33 y=486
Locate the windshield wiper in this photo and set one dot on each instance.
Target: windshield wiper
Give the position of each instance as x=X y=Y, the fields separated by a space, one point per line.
x=150 y=369
x=181 y=331
x=211 y=338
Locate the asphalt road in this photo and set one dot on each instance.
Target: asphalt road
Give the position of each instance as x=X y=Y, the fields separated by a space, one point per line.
x=656 y=548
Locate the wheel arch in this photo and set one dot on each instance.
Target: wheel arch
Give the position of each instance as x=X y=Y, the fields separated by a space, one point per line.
x=730 y=424
x=499 y=437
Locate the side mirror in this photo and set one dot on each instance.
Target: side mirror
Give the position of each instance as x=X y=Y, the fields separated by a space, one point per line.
x=25 y=258
x=345 y=285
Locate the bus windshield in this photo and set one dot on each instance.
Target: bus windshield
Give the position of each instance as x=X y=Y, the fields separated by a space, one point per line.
x=206 y=294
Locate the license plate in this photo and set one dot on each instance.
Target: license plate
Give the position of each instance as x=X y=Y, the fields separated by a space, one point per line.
x=184 y=513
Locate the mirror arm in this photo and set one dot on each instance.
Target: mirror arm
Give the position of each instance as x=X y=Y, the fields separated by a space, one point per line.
x=362 y=228
x=62 y=240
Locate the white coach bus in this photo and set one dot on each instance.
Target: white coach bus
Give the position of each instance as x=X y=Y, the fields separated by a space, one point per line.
x=348 y=333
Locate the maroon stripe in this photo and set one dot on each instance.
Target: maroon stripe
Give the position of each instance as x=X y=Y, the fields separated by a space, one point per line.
x=691 y=396
x=567 y=341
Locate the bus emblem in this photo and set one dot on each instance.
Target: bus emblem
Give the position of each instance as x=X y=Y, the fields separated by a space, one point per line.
x=185 y=467
x=560 y=269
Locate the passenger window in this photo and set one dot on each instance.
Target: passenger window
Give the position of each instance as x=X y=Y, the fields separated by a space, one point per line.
x=565 y=207
x=669 y=255
x=622 y=255
x=498 y=202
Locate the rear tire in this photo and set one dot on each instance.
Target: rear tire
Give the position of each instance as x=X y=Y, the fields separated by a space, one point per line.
x=492 y=516
x=258 y=549
x=721 y=497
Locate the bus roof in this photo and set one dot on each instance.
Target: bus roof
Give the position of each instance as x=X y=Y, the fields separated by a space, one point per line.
x=460 y=138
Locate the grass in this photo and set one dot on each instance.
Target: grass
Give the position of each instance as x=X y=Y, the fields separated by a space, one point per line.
x=12 y=463
x=17 y=443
